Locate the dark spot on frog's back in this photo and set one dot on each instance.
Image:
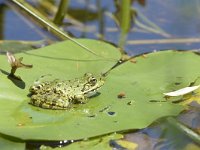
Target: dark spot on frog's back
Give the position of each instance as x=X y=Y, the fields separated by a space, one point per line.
x=59 y=84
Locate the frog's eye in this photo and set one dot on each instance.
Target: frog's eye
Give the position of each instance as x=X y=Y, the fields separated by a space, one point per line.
x=93 y=80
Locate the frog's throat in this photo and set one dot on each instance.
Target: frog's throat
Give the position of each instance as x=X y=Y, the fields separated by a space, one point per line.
x=94 y=88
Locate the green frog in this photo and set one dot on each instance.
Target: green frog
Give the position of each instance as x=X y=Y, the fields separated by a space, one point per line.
x=59 y=94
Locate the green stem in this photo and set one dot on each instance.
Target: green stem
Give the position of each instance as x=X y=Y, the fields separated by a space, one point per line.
x=62 y=10
x=101 y=19
x=47 y=23
x=125 y=21
x=188 y=132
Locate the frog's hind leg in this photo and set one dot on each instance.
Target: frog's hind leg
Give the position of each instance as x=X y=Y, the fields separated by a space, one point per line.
x=36 y=100
x=80 y=99
x=38 y=84
x=49 y=102
x=36 y=88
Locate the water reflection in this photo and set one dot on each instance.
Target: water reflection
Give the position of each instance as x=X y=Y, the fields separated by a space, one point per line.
x=178 y=18
x=2 y=9
x=14 y=26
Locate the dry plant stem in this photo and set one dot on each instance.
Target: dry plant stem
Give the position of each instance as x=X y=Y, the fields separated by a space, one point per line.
x=15 y=64
x=25 y=42
x=45 y=22
x=148 y=25
x=150 y=29
x=164 y=41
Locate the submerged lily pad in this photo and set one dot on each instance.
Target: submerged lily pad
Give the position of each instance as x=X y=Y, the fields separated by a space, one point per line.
x=140 y=82
x=98 y=143
x=8 y=143
x=20 y=46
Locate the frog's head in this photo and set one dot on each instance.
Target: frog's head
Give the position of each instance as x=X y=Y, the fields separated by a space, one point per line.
x=92 y=83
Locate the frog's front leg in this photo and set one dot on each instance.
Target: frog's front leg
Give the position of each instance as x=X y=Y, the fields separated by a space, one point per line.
x=80 y=99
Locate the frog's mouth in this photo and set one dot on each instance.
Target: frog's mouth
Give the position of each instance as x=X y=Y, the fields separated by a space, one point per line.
x=93 y=93
x=94 y=90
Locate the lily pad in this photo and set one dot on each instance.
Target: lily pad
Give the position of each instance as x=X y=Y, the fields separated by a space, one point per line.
x=140 y=82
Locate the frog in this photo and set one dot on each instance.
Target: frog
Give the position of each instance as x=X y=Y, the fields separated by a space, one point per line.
x=61 y=94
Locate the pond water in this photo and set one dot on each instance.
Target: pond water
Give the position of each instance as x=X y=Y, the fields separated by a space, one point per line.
x=16 y=27
x=159 y=25
x=178 y=23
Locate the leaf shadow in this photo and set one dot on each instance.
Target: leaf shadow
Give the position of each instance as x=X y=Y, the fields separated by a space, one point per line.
x=15 y=80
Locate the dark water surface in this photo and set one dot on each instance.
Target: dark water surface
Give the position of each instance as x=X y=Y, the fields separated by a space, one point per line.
x=178 y=20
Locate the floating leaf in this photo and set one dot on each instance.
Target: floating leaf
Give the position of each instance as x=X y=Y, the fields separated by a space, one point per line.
x=182 y=91
x=106 y=113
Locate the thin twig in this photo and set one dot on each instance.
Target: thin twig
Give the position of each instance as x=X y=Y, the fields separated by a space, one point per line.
x=187 y=131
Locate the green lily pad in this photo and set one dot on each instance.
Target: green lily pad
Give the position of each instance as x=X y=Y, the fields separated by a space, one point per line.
x=140 y=83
